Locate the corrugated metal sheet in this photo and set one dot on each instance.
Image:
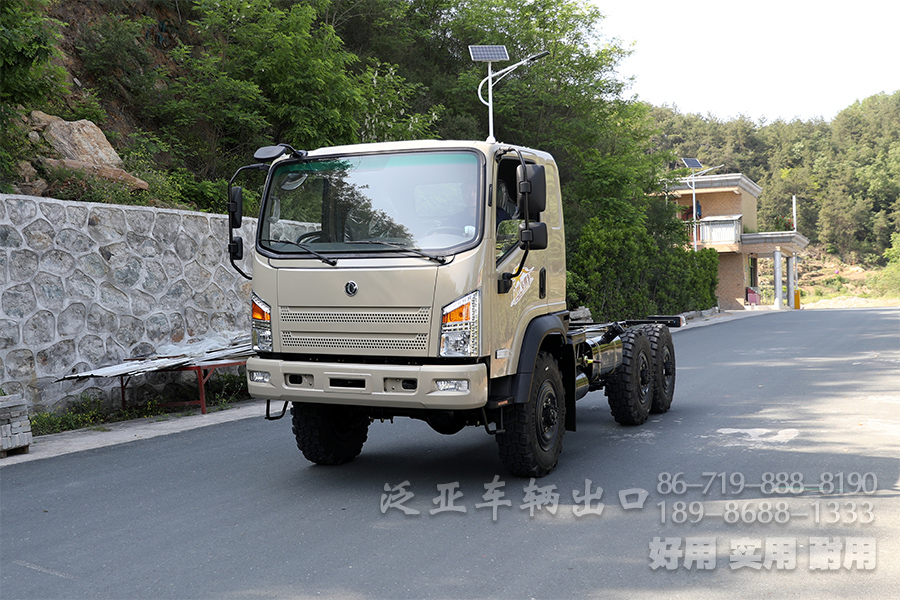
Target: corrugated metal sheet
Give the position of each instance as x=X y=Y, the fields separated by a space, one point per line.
x=240 y=348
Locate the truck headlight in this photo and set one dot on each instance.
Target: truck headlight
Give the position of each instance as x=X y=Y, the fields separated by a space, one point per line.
x=261 y=324
x=459 y=327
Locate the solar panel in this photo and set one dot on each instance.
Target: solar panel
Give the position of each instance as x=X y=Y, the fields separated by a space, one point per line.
x=488 y=53
x=692 y=163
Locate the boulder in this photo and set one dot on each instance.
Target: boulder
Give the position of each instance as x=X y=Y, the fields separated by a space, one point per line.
x=582 y=314
x=82 y=146
x=26 y=172
x=80 y=140
x=30 y=184
x=104 y=171
x=34 y=188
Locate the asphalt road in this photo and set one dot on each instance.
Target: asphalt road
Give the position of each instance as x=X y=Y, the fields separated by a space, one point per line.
x=793 y=417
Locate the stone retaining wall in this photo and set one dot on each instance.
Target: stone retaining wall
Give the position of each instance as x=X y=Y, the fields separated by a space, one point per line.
x=15 y=428
x=86 y=285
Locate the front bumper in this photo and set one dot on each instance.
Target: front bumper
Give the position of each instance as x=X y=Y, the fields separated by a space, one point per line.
x=388 y=386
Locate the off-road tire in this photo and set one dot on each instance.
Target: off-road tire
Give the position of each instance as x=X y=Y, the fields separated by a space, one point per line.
x=329 y=434
x=663 y=352
x=532 y=435
x=629 y=389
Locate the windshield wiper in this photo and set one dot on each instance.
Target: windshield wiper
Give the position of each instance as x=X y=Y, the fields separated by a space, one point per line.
x=401 y=246
x=325 y=259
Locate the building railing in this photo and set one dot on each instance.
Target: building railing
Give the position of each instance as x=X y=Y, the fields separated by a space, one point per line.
x=716 y=230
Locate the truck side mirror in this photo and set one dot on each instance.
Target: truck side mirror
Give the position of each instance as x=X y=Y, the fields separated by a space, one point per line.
x=235 y=206
x=236 y=248
x=533 y=182
x=535 y=235
x=269 y=153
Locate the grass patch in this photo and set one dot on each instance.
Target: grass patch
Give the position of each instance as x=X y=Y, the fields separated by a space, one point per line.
x=89 y=412
x=224 y=389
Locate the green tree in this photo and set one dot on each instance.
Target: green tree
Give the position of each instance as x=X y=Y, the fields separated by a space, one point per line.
x=624 y=244
x=299 y=66
x=888 y=281
x=386 y=115
x=555 y=104
x=213 y=115
x=844 y=173
x=27 y=43
x=569 y=103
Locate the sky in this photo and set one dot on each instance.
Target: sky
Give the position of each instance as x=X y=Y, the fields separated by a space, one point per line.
x=764 y=59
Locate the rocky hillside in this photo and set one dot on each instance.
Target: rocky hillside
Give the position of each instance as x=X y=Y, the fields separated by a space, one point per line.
x=81 y=147
x=95 y=139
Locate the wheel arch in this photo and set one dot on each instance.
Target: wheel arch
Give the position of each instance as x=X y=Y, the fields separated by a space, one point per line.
x=547 y=333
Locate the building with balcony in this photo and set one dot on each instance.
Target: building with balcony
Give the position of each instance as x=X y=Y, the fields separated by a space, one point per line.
x=725 y=220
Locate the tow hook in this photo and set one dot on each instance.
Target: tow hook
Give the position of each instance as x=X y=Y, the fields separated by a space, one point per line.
x=498 y=427
x=269 y=416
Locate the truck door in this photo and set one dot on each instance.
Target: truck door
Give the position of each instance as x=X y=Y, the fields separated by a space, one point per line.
x=527 y=298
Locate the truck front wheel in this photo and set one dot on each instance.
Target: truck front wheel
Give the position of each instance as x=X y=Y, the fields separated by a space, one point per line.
x=532 y=434
x=630 y=387
x=329 y=434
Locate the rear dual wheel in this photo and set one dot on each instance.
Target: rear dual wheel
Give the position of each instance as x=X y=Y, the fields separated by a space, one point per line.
x=629 y=389
x=663 y=352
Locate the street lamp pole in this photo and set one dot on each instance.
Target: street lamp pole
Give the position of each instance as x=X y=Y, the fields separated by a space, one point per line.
x=694 y=229
x=693 y=164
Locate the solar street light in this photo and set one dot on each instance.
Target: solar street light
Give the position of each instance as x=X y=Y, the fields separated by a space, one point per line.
x=693 y=164
x=488 y=53
x=492 y=54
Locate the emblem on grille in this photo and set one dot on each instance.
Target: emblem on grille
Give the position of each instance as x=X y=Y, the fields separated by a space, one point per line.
x=351 y=288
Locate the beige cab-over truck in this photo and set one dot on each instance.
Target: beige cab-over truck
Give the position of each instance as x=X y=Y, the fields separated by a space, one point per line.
x=427 y=280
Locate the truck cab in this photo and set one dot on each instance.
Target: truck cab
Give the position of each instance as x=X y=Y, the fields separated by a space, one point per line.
x=423 y=279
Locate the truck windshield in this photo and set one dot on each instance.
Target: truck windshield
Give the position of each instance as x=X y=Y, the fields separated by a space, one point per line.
x=425 y=201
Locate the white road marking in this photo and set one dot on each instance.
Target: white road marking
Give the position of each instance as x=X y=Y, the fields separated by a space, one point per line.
x=34 y=567
x=761 y=435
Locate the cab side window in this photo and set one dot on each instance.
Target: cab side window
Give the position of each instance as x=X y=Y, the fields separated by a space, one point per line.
x=506 y=209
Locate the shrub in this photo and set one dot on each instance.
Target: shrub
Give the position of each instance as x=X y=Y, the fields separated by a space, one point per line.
x=89 y=411
x=704 y=269
x=28 y=40
x=622 y=273
x=887 y=282
x=226 y=388
x=69 y=184
x=82 y=104
x=116 y=55
x=613 y=271
x=13 y=148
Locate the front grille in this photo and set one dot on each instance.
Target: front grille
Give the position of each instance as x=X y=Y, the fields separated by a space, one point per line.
x=409 y=316
x=408 y=343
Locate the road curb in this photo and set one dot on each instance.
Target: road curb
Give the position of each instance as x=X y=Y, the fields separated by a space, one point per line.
x=714 y=316
x=111 y=434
